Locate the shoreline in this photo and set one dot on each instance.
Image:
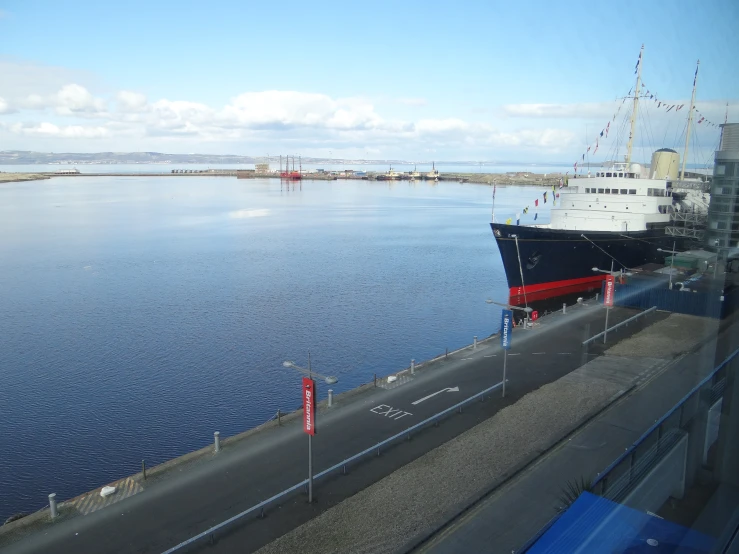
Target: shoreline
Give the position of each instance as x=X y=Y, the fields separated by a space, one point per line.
x=21 y=177
x=489 y=179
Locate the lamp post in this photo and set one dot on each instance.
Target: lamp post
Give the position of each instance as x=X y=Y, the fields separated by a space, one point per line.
x=311 y=400
x=605 y=299
x=505 y=332
x=672 y=259
x=527 y=309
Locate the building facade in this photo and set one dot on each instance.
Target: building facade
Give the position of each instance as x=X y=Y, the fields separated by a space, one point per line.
x=723 y=212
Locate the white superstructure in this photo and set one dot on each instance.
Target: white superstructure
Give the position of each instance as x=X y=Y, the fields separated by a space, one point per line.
x=616 y=199
x=627 y=197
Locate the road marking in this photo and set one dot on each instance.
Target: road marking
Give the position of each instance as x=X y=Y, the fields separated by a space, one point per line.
x=92 y=501
x=448 y=389
x=538 y=353
x=564 y=353
x=392 y=413
x=490 y=356
x=466 y=358
x=517 y=354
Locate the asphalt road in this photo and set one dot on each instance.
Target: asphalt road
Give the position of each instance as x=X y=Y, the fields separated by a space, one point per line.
x=199 y=496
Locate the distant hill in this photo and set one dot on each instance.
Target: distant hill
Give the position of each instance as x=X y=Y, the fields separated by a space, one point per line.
x=27 y=157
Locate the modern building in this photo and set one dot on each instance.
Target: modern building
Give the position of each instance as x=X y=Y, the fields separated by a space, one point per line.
x=723 y=212
x=262 y=168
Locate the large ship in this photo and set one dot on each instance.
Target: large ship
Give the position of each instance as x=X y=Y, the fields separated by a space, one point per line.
x=619 y=219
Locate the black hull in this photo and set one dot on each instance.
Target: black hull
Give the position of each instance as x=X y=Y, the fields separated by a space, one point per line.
x=555 y=258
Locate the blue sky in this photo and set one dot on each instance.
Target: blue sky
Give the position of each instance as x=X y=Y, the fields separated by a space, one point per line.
x=411 y=80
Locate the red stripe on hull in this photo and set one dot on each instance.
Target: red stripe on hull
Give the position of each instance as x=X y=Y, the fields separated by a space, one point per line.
x=539 y=287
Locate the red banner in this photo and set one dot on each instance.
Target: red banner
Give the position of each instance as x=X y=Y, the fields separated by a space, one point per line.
x=309 y=405
x=608 y=296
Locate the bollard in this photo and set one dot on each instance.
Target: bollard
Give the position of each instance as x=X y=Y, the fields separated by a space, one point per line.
x=217 y=441
x=564 y=307
x=474 y=342
x=330 y=397
x=413 y=367
x=52 y=505
x=143 y=469
x=375 y=379
x=279 y=417
x=597 y=294
x=446 y=355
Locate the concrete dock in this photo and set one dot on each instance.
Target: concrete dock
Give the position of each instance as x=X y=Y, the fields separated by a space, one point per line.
x=193 y=493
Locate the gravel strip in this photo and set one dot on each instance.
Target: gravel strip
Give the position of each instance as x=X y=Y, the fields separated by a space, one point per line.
x=673 y=335
x=385 y=516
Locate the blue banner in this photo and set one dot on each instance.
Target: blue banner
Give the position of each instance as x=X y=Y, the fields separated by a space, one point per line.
x=506 y=326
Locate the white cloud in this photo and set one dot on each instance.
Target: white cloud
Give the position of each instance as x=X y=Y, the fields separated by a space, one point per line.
x=569 y=111
x=131 y=101
x=75 y=99
x=4 y=106
x=46 y=129
x=22 y=79
x=274 y=108
x=57 y=109
x=441 y=125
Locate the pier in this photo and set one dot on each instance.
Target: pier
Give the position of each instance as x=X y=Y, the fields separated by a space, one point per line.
x=172 y=503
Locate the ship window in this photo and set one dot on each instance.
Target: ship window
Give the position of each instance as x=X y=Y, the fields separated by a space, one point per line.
x=620 y=174
x=600 y=191
x=608 y=191
x=608 y=174
x=632 y=191
x=624 y=191
x=587 y=190
x=614 y=191
x=650 y=192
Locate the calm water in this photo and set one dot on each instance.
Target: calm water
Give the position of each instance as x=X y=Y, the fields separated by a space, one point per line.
x=139 y=315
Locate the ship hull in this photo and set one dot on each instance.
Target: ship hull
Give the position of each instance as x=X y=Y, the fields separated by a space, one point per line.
x=557 y=261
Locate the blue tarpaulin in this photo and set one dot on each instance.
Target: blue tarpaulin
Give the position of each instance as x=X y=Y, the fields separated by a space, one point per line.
x=594 y=525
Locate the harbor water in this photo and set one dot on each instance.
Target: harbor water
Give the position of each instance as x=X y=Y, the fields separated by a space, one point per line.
x=140 y=315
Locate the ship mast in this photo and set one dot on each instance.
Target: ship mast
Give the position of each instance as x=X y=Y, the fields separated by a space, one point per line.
x=636 y=106
x=690 y=121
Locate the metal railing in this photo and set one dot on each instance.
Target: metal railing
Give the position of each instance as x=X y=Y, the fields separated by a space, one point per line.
x=660 y=436
x=624 y=322
x=259 y=508
x=628 y=468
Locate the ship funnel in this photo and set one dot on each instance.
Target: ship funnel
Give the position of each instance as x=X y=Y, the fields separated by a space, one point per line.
x=665 y=164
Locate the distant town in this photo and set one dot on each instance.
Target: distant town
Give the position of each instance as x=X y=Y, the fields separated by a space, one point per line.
x=22 y=157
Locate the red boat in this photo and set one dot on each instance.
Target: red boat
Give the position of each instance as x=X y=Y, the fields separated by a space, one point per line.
x=288 y=174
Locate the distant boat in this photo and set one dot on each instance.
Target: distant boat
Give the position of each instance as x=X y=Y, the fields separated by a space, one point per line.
x=389 y=176
x=433 y=175
x=414 y=174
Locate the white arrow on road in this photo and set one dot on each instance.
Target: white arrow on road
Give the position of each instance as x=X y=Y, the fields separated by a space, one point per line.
x=450 y=389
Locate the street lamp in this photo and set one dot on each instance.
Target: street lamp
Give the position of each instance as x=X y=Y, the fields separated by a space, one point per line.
x=309 y=372
x=329 y=381
x=608 y=308
x=527 y=309
x=672 y=259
